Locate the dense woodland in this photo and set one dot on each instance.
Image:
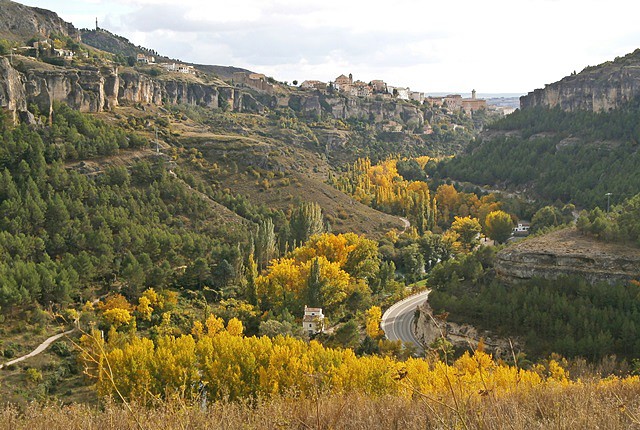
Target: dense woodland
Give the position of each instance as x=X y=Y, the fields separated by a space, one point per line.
x=567 y=316
x=573 y=157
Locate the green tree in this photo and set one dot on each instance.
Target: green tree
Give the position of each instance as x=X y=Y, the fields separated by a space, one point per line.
x=306 y=221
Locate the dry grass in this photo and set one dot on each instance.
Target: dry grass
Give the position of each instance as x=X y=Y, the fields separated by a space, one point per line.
x=590 y=406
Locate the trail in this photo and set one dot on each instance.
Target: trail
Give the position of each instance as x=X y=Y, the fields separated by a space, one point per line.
x=44 y=345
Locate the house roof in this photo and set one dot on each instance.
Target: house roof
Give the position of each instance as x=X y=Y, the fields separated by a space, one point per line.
x=319 y=310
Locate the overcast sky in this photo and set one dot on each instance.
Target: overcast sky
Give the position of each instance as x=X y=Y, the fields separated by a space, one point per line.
x=494 y=46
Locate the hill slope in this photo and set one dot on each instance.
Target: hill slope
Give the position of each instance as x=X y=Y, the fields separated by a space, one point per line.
x=564 y=145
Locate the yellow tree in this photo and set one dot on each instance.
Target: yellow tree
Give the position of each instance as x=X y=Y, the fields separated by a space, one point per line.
x=468 y=228
x=373 y=317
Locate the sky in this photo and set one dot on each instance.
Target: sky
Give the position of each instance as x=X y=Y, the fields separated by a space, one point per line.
x=493 y=46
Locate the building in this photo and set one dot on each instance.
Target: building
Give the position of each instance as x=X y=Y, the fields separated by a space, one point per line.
x=417 y=96
x=473 y=104
x=399 y=92
x=314 y=86
x=64 y=53
x=313 y=320
x=453 y=102
x=344 y=81
x=379 y=86
x=145 y=59
x=256 y=81
x=360 y=89
x=522 y=229
x=183 y=68
x=435 y=101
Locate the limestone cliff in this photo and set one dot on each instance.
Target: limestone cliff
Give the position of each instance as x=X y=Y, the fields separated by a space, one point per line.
x=97 y=89
x=93 y=89
x=567 y=252
x=343 y=107
x=601 y=88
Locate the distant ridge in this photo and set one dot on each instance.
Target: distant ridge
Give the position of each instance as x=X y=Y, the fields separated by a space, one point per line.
x=607 y=86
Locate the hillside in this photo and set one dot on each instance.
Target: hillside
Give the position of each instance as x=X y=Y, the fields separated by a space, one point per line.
x=20 y=23
x=551 y=154
x=600 y=88
x=184 y=225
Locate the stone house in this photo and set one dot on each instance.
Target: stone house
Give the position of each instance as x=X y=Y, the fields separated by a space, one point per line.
x=256 y=81
x=313 y=320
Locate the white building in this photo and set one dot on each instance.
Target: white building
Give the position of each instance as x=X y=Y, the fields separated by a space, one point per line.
x=522 y=229
x=313 y=320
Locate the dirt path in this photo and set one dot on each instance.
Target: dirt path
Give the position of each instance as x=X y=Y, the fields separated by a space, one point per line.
x=44 y=345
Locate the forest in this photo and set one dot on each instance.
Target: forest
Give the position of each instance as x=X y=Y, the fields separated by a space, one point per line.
x=532 y=148
x=566 y=316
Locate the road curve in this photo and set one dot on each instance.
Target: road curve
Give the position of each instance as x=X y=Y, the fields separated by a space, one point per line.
x=406 y=223
x=397 y=321
x=44 y=345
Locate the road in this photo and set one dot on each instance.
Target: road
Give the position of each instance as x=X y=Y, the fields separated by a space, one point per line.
x=397 y=320
x=44 y=345
x=406 y=223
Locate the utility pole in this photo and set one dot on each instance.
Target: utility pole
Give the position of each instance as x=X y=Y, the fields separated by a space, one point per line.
x=157 y=143
x=608 y=201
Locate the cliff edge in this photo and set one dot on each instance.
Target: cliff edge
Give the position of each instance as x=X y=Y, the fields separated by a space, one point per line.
x=567 y=252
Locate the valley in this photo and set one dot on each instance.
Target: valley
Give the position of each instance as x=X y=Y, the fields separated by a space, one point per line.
x=210 y=239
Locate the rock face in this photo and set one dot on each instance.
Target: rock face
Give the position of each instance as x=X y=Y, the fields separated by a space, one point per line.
x=97 y=89
x=600 y=88
x=92 y=89
x=566 y=252
x=368 y=109
x=429 y=327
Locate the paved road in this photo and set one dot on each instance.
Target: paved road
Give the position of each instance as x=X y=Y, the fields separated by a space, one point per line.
x=397 y=320
x=44 y=345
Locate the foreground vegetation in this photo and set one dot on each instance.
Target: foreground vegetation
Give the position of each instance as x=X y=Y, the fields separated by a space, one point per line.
x=597 y=404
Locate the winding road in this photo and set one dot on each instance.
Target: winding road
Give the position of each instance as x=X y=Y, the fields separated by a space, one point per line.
x=44 y=345
x=397 y=321
x=406 y=223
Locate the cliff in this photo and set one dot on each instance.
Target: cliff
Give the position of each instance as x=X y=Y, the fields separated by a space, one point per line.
x=346 y=107
x=96 y=89
x=607 y=86
x=567 y=252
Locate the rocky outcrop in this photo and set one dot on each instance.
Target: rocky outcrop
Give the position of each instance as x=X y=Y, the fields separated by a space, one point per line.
x=429 y=327
x=12 y=91
x=367 y=109
x=600 y=88
x=93 y=89
x=568 y=253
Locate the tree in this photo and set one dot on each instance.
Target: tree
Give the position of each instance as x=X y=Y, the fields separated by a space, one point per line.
x=373 y=317
x=498 y=226
x=265 y=243
x=306 y=221
x=468 y=228
x=548 y=216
